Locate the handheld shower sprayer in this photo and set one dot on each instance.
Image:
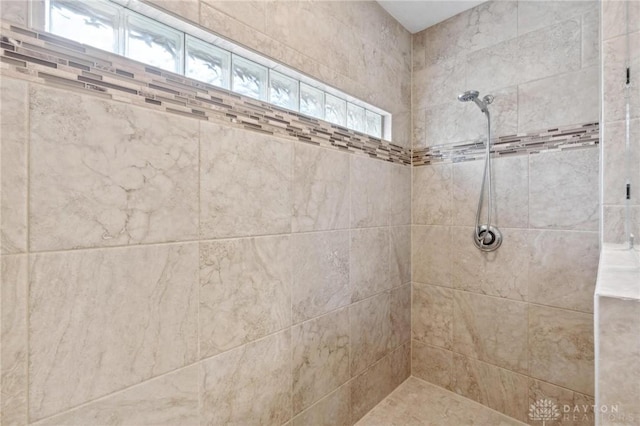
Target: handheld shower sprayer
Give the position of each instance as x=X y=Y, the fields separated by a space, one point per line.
x=486 y=237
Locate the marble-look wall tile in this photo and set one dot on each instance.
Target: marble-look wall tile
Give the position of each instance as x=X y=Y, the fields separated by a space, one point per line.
x=168 y=400
x=431 y=198
x=374 y=384
x=561 y=348
x=369 y=192
x=245 y=183
x=320 y=273
x=320 y=360
x=369 y=262
x=442 y=80
x=614 y=18
x=400 y=316
x=332 y=410
x=562 y=191
x=431 y=255
x=16 y=11
x=591 y=37
x=14 y=108
x=435 y=365
x=245 y=291
x=399 y=195
x=563 y=269
x=619 y=353
x=491 y=330
x=249 y=385
x=251 y=13
x=510 y=188
x=495 y=387
x=562 y=397
x=320 y=189
x=105 y=173
x=614 y=226
x=13 y=332
x=14 y=134
x=493 y=67
x=370 y=336
x=616 y=159
x=399 y=255
x=432 y=315
x=500 y=273
x=490 y=23
x=533 y=15
x=614 y=59
x=188 y=9
x=563 y=99
x=99 y=322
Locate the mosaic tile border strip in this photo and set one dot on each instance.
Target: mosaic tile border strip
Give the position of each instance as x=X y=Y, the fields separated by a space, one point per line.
x=51 y=60
x=558 y=139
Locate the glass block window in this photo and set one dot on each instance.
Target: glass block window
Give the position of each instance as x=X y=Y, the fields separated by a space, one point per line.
x=283 y=90
x=249 y=78
x=335 y=110
x=208 y=63
x=111 y=26
x=155 y=44
x=96 y=22
x=311 y=101
x=355 y=117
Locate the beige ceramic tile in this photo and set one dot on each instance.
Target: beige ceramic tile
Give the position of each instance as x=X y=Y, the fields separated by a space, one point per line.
x=399 y=255
x=245 y=291
x=591 y=37
x=14 y=132
x=497 y=388
x=99 y=322
x=245 y=183
x=13 y=350
x=561 y=190
x=575 y=408
x=399 y=194
x=510 y=188
x=493 y=67
x=501 y=273
x=442 y=80
x=320 y=189
x=369 y=262
x=431 y=255
x=186 y=9
x=15 y=11
x=320 y=273
x=432 y=189
x=559 y=100
x=332 y=410
x=432 y=315
x=418 y=403
x=491 y=330
x=168 y=400
x=249 y=385
x=370 y=337
x=561 y=348
x=614 y=59
x=400 y=316
x=533 y=15
x=614 y=18
x=616 y=159
x=251 y=13
x=563 y=269
x=369 y=192
x=615 y=217
x=433 y=364
x=320 y=361
x=104 y=173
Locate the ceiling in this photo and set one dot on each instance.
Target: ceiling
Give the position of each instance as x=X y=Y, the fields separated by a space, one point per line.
x=416 y=15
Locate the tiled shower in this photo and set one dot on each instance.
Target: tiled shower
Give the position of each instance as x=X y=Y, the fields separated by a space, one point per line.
x=177 y=254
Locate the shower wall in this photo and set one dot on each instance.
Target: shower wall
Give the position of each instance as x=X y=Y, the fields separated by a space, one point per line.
x=159 y=269
x=615 y=156
x=510 y=327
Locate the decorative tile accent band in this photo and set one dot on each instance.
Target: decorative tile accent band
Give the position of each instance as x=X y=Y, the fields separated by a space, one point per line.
x=561 y=138
x=48 y=59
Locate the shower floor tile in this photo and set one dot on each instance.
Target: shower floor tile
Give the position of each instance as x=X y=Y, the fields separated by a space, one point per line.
x=418 y=403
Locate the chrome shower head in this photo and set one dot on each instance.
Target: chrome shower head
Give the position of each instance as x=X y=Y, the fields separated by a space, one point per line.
x=469 y=95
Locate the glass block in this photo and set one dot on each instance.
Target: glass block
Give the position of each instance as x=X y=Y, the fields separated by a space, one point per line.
x=153 y=43
x=311 y=101
x=355 y=117
x=335 y=110
x=249 y=78
x=283 y=90
x=89 y=22
x=374 y=124
x=208 y=63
